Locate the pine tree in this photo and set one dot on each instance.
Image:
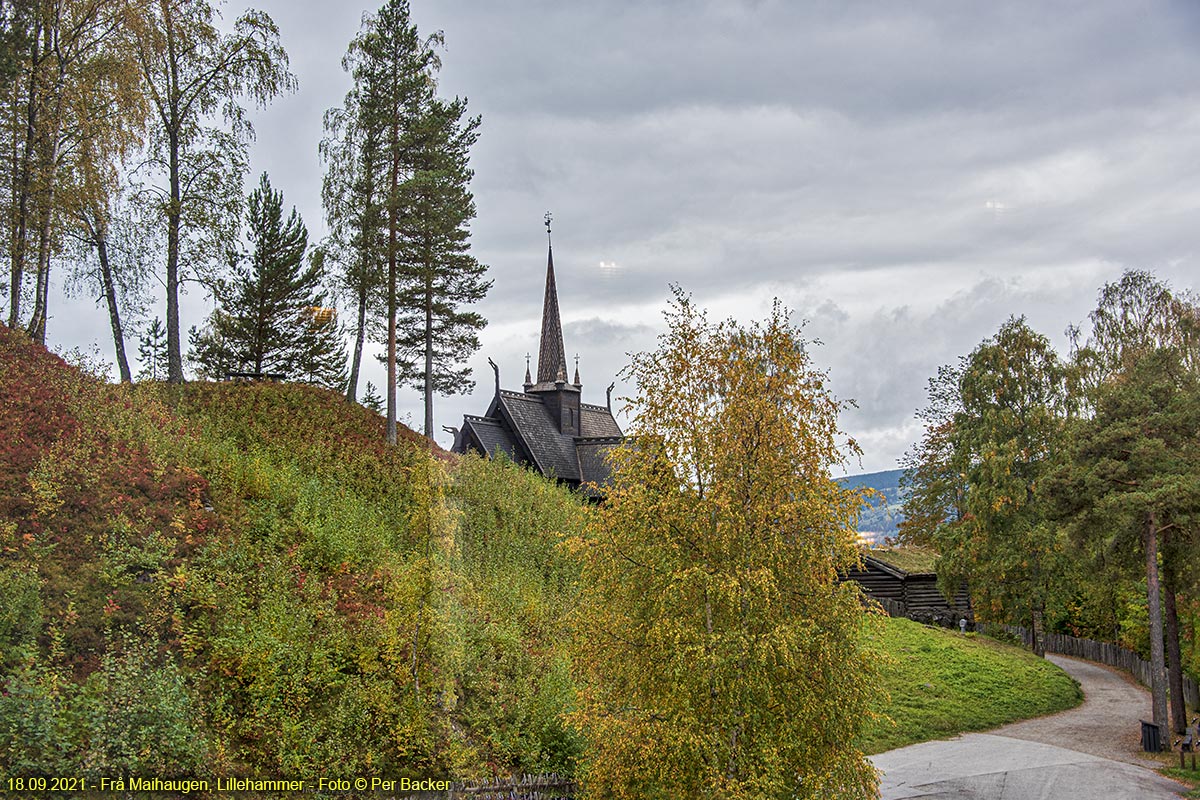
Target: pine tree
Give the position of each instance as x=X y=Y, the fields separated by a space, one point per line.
x=372 y=400
x=393 y=71
x=397 y=200
x=1135 y=452
x=152 y=352
x=1131 y=477
x=440 y=275
x=319 y=354
x=272 y=315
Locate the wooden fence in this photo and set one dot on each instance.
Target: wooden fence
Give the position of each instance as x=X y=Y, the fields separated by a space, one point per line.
x=525 y=787
x=1105 y=653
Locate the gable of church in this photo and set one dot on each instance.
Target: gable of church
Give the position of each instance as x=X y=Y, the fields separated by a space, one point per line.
x=546 y=426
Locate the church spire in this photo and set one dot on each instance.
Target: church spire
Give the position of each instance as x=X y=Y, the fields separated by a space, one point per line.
x=552 y=356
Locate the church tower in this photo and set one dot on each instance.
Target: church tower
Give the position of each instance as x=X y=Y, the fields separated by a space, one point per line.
x=547 y=427
x=561 y=398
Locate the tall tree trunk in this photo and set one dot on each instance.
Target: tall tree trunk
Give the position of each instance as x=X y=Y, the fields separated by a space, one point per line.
x=114 y=313
x=41 y=296
x=174 y=350
x=37 y=320
x=1039 y=600
x=393 y=222
x=1039 y=633
x=1174 y=657
x=360 y=333
x=258 y=351
x=48 y=151
x=429 y=356
x=1158 y=688
x=174 y=205
x=23 y=185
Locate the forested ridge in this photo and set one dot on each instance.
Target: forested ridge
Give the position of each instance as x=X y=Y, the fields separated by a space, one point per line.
x=882 y=515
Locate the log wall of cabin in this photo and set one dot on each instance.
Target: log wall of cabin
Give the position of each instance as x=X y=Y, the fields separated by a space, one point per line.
x=878 y=583
x=919 y=593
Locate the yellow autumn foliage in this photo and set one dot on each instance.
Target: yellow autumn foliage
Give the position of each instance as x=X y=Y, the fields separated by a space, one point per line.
x=718 y=656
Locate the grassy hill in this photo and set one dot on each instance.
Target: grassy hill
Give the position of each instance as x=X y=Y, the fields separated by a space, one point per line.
x=941 y=683
x=244 y=579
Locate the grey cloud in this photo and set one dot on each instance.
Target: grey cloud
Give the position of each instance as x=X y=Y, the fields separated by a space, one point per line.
x=906 y=176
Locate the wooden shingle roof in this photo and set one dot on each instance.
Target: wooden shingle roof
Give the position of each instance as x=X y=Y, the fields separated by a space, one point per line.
x=553 y=452
x=490 y=436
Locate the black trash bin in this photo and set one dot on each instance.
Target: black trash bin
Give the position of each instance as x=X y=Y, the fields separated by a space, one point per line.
x=1151 y=738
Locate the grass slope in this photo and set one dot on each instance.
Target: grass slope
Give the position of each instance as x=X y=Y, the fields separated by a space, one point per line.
x=942 y=683
x=1188 y=776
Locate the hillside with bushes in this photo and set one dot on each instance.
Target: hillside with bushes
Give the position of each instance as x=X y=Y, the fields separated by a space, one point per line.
x=242 y=579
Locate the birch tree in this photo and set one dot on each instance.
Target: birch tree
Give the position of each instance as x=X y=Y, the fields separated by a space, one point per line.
x=354 y=212
x=75 y=112
x=196 y=77
x=1006 y=438
x=717 y=652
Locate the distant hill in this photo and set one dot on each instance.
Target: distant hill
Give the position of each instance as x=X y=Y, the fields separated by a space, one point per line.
x=881 y=519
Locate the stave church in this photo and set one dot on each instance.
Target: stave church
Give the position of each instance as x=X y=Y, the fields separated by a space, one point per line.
x=547 y=426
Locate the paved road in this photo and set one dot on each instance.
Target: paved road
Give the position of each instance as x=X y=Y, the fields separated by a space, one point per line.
x=1107 y=723
x=1086 y=753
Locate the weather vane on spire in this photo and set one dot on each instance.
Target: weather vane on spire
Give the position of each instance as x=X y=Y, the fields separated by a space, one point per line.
x=548 y=218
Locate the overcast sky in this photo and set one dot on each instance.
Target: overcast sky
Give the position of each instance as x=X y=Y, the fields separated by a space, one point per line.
x=903 y=176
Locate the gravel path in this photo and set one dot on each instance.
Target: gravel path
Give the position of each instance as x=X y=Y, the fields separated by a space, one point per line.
x=1091 y=752
x=1107 y=724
